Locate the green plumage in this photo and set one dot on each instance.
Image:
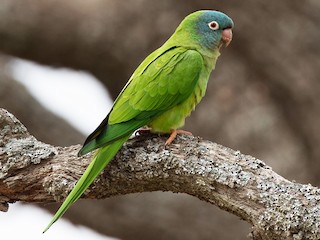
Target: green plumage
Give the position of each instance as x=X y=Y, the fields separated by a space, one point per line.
x=161 y=93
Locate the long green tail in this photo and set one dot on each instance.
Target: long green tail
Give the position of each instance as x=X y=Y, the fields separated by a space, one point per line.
x=98 y=163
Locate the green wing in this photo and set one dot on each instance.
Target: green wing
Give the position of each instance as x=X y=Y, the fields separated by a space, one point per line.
x=153 y=89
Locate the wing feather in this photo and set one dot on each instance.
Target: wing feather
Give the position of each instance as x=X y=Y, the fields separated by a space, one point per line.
x=162 y=84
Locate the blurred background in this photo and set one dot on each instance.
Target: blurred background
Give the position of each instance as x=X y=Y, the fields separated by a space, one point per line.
x=262 y=98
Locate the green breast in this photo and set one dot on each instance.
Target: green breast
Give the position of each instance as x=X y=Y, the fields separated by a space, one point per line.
x=174 y=118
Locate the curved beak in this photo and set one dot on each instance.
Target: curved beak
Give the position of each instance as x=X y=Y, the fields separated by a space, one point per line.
x=227 y=36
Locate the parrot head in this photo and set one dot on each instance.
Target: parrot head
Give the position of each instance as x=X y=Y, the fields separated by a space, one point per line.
x=207 y=28
x=214 y=28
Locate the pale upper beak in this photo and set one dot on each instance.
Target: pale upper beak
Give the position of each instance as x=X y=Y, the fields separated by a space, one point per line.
x=227 y=36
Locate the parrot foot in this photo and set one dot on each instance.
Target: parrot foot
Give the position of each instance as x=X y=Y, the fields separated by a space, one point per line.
x=142 y=131
x=174 y=133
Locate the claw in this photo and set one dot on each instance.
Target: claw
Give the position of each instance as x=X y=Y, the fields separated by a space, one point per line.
x=142 y=131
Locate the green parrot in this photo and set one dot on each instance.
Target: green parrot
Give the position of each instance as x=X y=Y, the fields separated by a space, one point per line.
x=161 y=93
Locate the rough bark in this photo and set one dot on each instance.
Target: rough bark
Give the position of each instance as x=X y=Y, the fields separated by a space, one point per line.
x=32 y=171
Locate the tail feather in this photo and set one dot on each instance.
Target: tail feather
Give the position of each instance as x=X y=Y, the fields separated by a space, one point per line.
x=98 y=163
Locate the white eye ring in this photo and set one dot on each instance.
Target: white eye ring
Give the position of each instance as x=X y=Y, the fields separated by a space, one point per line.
x=213 y=25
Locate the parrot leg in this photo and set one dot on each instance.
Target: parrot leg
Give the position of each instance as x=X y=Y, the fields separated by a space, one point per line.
x=174 y=133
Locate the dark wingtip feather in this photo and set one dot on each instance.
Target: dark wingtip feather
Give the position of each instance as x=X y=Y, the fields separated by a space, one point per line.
x=88 y=147
x=80 y=153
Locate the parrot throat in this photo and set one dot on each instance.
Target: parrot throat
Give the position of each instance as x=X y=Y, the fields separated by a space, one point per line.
x=210 y=58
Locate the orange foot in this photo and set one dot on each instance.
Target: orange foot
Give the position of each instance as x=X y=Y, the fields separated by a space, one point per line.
x=174 y=133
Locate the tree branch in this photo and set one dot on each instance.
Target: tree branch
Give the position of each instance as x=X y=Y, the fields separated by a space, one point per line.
x=33 y=171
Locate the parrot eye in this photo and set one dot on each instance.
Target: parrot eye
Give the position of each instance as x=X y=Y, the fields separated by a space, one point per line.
x=214 y=25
